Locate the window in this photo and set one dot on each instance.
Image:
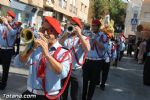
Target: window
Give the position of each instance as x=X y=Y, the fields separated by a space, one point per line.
x=63 y=3
x=81 y=6
x=74 y=2
x=85 y=9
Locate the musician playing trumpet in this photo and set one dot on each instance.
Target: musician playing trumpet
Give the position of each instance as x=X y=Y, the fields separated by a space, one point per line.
x=79 y=46
x=7 y=39
x=48 y=61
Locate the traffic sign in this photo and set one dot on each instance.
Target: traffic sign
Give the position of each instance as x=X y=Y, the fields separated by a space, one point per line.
x=134 y=21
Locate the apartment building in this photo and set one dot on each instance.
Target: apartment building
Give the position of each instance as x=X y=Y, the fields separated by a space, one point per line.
x=132 y=16
x=137 y=13
x=145 y=14
x=32 y=11
x=83 y=10
x=65 y=9
x=90 y=11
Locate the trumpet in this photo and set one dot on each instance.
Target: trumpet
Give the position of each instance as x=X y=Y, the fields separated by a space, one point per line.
x=27 y=36
x=70 y=28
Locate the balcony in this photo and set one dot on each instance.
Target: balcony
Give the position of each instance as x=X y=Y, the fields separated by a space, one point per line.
x=49 y=3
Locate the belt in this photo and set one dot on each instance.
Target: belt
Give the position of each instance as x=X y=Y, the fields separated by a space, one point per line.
x=94 y=58
x=89 y=60
x=148 y=54
x=6 y=47
x=76 y=68
x=41 y=92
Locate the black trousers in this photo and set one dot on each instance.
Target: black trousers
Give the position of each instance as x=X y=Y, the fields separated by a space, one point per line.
x=74 y=84
x=104 y=72
x=146 y=71
x=129 y=50
x=91 y=70
x=17 y=42
x=121 y=55
x=5 y=58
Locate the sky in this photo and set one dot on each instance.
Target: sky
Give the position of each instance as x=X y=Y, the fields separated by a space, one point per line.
x=125 y=0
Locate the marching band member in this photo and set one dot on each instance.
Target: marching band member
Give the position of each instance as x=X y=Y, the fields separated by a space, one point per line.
x=94 y=61
x=79 y=45
x=121 y=41
x=18 y=28
x=109 y=53
x=48 y=61
x=7 y=39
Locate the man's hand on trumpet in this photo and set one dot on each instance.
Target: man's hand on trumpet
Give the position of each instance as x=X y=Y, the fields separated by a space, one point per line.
x=5 y=21
x=77 y=30
x=42 y=41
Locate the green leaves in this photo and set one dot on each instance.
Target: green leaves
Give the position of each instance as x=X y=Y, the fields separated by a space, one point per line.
x=115 y=8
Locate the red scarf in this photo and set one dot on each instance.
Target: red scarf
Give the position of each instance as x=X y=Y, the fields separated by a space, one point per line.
x=41 y=74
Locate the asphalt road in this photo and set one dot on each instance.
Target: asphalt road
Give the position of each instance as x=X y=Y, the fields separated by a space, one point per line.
x=124 y=83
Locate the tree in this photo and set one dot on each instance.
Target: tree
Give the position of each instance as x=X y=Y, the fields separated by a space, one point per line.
x=115 y=8
x=117 y=12
x=101 y=8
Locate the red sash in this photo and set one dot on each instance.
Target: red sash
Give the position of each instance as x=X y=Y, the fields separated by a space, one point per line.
x=113 y=47
x=41 y=74
x=76 y=57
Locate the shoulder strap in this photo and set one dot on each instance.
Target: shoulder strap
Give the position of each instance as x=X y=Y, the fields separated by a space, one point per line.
x=76 y=57
x=67 y=79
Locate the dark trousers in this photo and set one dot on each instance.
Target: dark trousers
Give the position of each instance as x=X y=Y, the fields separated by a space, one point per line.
x=91 y=70
x=129 y=51
x=5 y=58
x=74 y=84
x=116 y=62
x=146 y=71
x=104 y=72
x=36 y=97
x=121 y=55
x=17 y=42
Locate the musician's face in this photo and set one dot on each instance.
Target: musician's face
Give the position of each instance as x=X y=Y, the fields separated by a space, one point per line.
x=95 y=28
x=45 y=24
x=50 y=34
x=10 y=19
x=74 y=24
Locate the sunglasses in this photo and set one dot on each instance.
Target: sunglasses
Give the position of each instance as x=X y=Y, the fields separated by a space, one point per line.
x=74 y=24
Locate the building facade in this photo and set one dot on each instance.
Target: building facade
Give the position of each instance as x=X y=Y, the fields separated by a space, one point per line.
x=137 y=13
x=90 y=11
x=145 y=13
x=132 y=16
x=32 y=11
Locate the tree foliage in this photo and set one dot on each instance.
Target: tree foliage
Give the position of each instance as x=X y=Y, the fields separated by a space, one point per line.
x=115 y=8
x=101 y=8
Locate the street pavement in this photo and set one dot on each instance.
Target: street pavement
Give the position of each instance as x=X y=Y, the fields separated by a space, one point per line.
x=124 y=82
